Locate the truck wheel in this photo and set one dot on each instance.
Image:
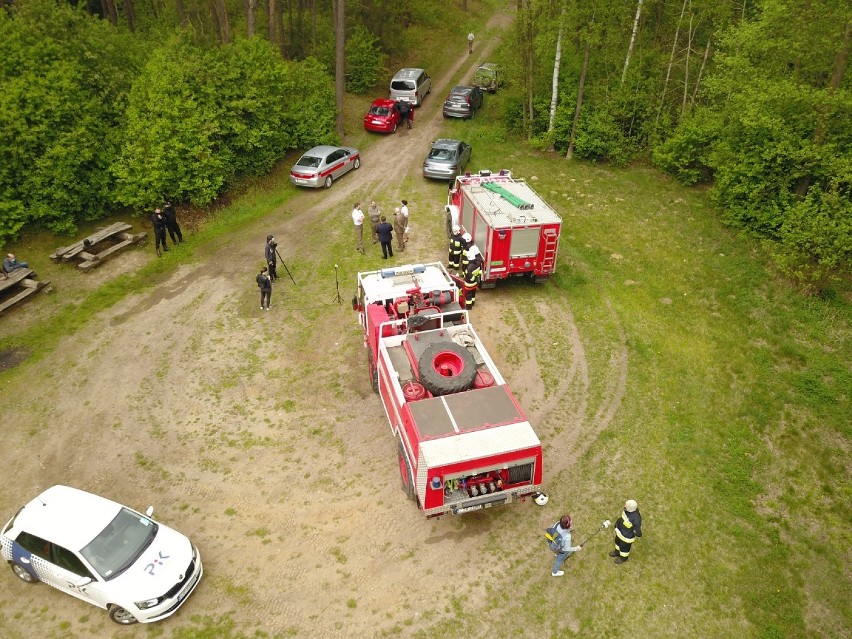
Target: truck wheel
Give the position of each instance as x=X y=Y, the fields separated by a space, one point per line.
x=374 y=372
x=405 y=474
x=446 y=368
x=449 y=221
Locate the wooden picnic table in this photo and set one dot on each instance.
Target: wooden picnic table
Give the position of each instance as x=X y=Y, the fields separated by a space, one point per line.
x=20 y=285
x=84 y=250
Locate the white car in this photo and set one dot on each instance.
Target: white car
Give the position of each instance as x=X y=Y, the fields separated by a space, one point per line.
x=102 y=552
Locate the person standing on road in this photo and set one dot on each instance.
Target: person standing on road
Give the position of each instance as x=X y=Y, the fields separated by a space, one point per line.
x=375 y=218
x=172 y=224
x=358 y=221
x=399 y=228
x=385 y=233
x=564 y=547
x=404 y=110
x=265 y=286
x=159 y=222
x=470 y=38
x=454 y=258
x=271 y=256
x=627 y=528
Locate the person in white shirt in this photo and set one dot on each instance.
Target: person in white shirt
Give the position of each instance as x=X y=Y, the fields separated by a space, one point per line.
x=404 y=210
x=470 y=37
x=358 y=221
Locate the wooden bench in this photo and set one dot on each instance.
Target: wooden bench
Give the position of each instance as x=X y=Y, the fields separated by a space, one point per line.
x=20 y=285
x=84 y=250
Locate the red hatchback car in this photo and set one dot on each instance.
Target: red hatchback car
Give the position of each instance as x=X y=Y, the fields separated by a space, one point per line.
x=382 y=117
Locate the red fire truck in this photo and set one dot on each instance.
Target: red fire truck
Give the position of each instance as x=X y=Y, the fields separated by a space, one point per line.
x=463 y=441
x=514 y=229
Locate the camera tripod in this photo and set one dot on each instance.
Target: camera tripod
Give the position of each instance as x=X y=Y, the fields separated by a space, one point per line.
x=337 y=297
x=285 y=266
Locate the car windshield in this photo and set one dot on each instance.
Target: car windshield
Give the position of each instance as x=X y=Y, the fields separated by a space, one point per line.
x=120 y=544
x=402 y=85
x=309 y=161
x=379 y=110
x=441 y=154
x=485 y=74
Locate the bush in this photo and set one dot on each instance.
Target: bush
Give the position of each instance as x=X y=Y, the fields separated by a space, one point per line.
x=365 y=61
x=686 y=154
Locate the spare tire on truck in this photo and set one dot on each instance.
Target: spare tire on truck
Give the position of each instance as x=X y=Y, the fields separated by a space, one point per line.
x=446 y=368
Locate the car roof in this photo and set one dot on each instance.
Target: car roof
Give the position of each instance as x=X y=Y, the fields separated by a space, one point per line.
x=67 y=516
x=407 y=72
x=385 y=102
x=491 y=66
x=445 y=143
x=462 y=88
x=321 y=150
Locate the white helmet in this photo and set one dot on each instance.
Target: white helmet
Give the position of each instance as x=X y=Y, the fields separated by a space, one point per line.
x=631 y=506
x=472 y=252
x=466 y=237
x=540 y=498
x=456 y=228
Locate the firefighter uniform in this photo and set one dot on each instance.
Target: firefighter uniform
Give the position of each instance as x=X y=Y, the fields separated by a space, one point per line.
x=467 y=244
x=456 y=244
x=472 y=277
x=627 y=528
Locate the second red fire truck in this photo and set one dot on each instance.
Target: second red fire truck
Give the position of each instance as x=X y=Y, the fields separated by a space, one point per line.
x=463 y=441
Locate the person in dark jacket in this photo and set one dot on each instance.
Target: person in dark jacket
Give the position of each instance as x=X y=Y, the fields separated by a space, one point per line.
x=172 y=224
x=10 y=264
x=265 y=285
x=385 y=232
x=159 y=222
x=627 y=528
x=456 y=242
x=405 y=112
x=271 y=257
x=472 y=276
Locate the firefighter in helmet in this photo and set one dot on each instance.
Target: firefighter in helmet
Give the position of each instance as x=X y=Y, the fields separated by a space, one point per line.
x=627 y=528
x=454 y=259
x=467 y=244
x=472 y=276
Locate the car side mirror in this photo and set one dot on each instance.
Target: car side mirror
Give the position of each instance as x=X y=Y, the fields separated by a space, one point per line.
x=82 y=582
x=150 y=511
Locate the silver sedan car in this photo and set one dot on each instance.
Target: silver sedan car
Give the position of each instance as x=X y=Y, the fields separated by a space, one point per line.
x=446 y=159
x=323 y=164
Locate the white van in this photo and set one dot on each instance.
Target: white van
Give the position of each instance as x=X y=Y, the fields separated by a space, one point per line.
x=410 y=85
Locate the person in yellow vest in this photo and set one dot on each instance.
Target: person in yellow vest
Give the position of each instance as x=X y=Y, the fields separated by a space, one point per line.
x=467 y=243
x=472 y=276
x=627 y=528
x=456 y=243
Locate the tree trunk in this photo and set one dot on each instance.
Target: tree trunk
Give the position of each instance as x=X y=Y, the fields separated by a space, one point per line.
x=555 y=85
x=690 y=33
x=339 y=58
x=130 y=10
x=223 y=17
x=701 y=68
x=270 y=20
x=112 y=13
x=671 y=63
x=214 y=15
x=251 y=5
x=580 y=89
x=632 y=40
x=181 y=12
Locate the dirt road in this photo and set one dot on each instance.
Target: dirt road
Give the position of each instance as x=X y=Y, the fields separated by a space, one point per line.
x=257 y=435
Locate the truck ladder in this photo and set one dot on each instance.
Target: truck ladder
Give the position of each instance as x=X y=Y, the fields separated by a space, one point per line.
x=548 y=259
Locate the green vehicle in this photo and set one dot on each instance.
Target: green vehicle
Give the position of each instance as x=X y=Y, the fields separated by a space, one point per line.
x=488 y=77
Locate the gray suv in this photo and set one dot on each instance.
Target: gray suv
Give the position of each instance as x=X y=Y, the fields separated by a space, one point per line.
x=463 y=102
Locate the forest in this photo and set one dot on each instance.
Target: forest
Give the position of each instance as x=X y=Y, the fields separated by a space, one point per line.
x=112 y=105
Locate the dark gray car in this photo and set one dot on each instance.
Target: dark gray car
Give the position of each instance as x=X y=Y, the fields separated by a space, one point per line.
x=463 y=102
x=446 y=159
